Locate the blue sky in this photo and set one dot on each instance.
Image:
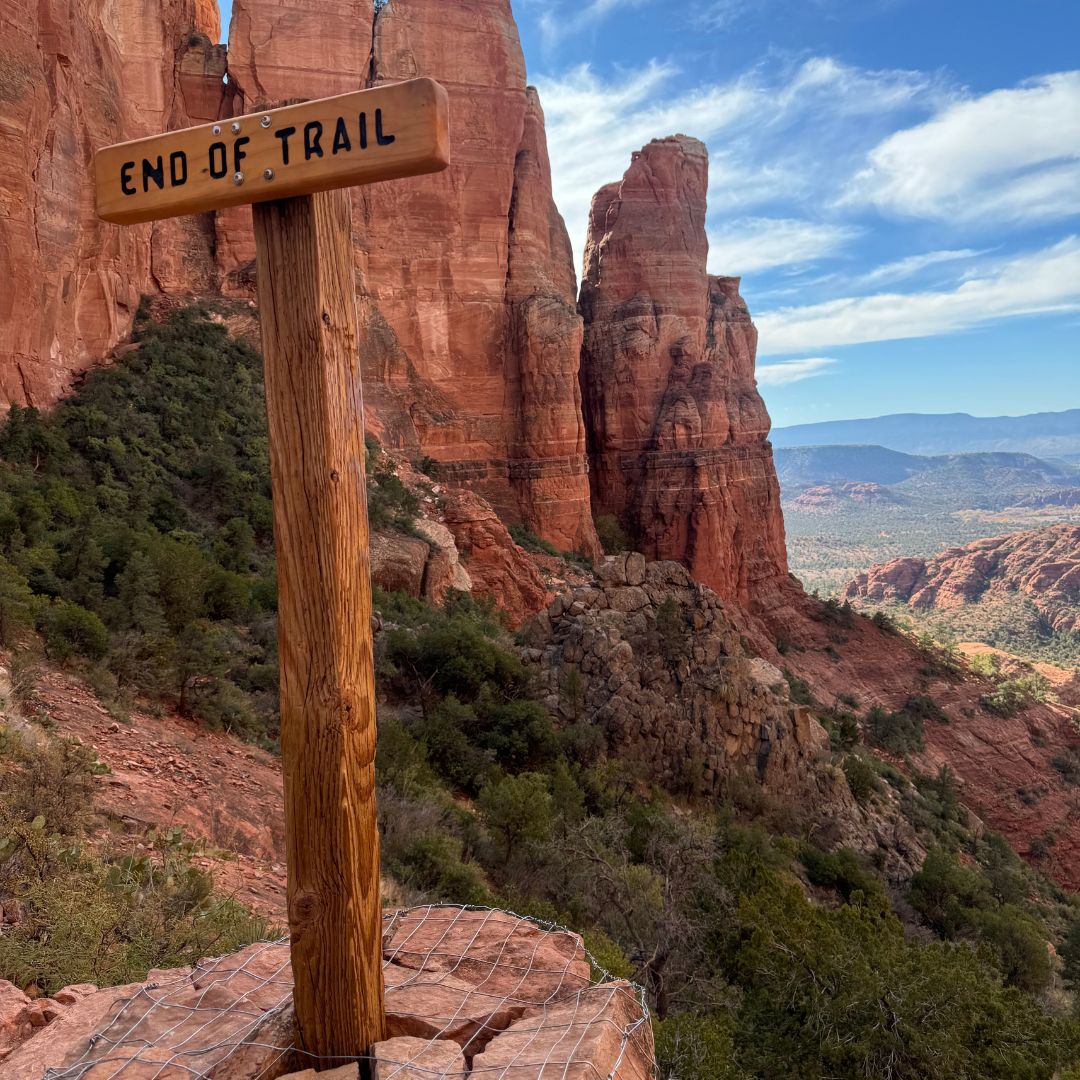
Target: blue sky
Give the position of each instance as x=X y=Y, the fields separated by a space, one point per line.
x=897 y=181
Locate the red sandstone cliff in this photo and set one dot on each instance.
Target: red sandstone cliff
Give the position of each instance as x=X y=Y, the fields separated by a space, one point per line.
x=677 y=430
x=466 y=284
x=74 y=76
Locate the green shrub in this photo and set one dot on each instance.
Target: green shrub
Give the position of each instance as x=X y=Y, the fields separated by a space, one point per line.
x=110 y=921
x=1012 y=696
x=799 y=690
x=899 y=733
x=843 y=871
x=70 y=630
x=947 y=895
x=925 y=708
x=516 y=810
x=690 y=1047
x=433 y=863
x=672 y=630
x=1020 y=946
x=96 y=915
x=1068 y=764
x=526 y=538
x=611 y=535
x=861 y=777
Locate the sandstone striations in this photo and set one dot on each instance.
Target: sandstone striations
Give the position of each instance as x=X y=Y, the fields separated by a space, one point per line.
x=471 y=338
x=677 y=430
x=74 y=76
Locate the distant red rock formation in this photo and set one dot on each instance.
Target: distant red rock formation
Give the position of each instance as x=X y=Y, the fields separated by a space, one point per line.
x=677 y=430
x=824 y=498
x=1042 y=566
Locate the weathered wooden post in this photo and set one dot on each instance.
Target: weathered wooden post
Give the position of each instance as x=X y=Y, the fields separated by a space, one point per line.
x=290 y=163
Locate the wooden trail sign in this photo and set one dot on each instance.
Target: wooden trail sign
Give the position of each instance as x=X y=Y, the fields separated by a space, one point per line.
x=387 y=133
x=287 y=161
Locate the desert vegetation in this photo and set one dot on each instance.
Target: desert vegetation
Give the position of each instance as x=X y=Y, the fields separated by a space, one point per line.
x=135 y=537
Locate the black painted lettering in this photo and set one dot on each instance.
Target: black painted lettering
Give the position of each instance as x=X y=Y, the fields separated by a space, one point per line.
x=342 y=142
x=363 y=131
x=126 y=186
x=383 y=140
x=313 y=140
x=219 y=160
x=178 y=168
x=284 y=135
x=153 y=171
x=238 y=152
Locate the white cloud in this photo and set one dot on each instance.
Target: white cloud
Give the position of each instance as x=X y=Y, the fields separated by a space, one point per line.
x=1010 y=154
x=773 y=133
x=719 y=14
x=914 y=264
x=792 y=371
x=1041 y=282
x=556 y=22
x=754 y=244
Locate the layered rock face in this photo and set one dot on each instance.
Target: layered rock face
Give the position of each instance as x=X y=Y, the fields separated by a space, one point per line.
x=74 y=76
x=471 y=337
x=677 y=430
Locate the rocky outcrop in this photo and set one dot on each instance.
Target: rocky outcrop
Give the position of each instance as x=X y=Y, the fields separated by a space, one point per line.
x=498 y=569
x=654 y=661
x=471 y=338
x=466 y=285
x=655 y=668
x=677 y=430
x=1041 y=566
x=75 y=76
x=465 y=988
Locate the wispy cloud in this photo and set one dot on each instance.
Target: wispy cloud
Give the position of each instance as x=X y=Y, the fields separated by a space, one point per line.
x=754 y=244
x=559 y=20
x=1011 y=155
x=1041 y=282
x=915 y=264
x=785 y=132
x=719 y=14
x=793 y=371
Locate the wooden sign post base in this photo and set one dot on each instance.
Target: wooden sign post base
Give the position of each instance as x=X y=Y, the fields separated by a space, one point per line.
x=307 y=300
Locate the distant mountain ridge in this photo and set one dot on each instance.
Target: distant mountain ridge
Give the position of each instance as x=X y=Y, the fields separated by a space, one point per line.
x=985 y=480
x=1049 y=434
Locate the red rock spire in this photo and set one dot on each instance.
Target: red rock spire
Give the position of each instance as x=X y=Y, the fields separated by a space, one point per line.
x=677 y=430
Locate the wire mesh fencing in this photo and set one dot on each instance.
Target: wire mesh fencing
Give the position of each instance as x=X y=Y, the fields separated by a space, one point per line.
x=469 y=992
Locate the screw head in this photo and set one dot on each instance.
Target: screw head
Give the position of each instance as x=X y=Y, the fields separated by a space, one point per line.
x=265 y=121
x=235 y=126
x=217 y=129
x=268 y=174
x=238 y=178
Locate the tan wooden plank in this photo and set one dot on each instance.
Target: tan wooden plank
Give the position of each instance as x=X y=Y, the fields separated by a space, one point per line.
x=314 y=401
x=389 y=132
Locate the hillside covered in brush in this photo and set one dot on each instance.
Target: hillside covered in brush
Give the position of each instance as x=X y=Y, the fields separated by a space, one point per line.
x=750 y=858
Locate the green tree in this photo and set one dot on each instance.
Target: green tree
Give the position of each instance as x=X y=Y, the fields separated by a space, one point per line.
x=17 y=604
x=70 y=630
x=516 y=810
